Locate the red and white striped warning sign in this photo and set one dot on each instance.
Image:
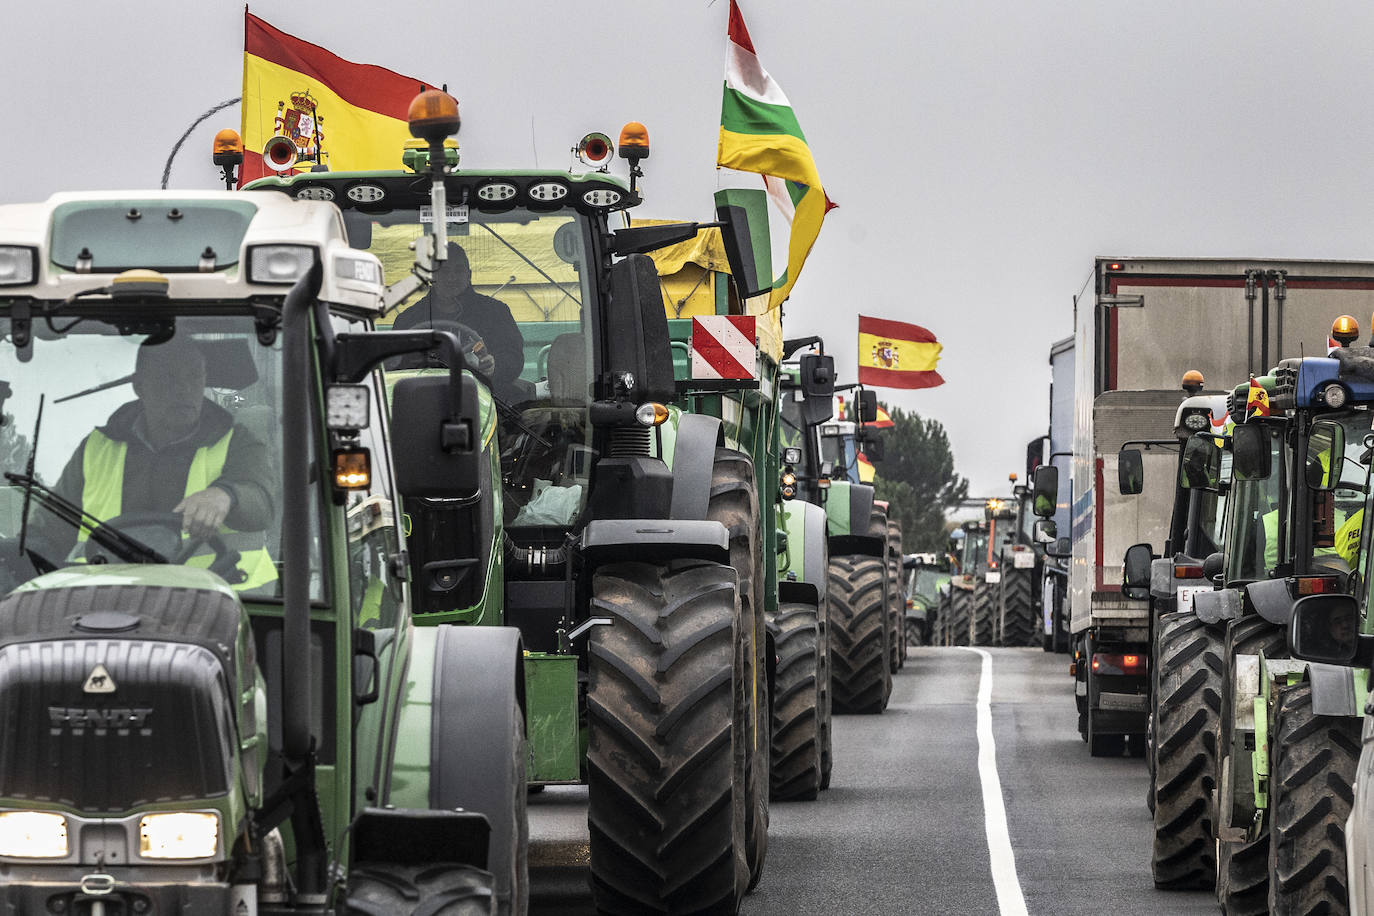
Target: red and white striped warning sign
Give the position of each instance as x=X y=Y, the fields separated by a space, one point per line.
x=723 y=346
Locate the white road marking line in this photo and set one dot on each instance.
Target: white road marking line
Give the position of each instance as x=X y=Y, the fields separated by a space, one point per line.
x=1010 y=900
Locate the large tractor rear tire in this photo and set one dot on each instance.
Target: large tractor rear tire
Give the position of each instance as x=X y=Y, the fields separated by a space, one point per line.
x=796 y=759
x=960 y=604
x=734 y=503
x=1016 y=608
x=982 y=613
x=915 y=633
x=667 y=726
x=1311 y=790
x=1243 y=868
x=858 y=656
x=897 y=631
x=1185 y=729
x=389 y=889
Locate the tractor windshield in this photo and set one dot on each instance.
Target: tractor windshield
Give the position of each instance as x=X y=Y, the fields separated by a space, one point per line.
x=839 y=451
x=149 y=425
x=517 y=289
x=924 y=588
x=1253 y=535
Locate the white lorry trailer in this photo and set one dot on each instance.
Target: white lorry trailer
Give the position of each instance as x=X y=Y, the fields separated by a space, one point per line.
x=1140 y=325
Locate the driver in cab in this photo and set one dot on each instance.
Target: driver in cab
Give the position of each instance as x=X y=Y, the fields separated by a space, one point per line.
x=174 y=451
x=496 y=345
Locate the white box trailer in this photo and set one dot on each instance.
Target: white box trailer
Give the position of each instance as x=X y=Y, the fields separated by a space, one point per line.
x=1141 y=324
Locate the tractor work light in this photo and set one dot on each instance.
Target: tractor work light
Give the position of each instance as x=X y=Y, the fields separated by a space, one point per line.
x=316 y=192
x=352 y=468
x=366 y=193
x=1345 y=329
x=602 y=197
x=284 y=264
x=791 y=455
x=346 y=407
x=548 y=191
x=1197 y=420
x=179 y=835
x=1334 y=395
x=496 y=192
x=18 y=266
x=651 y=413
x=33 y=835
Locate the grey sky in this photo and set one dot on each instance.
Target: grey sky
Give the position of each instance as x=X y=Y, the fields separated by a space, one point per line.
x=981 y=152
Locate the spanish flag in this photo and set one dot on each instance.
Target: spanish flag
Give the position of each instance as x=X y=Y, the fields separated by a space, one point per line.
x=894 y=354
x=866 y=469
x=1257 y=403
x=884 y=419
x=342 y=115
x=759 y=133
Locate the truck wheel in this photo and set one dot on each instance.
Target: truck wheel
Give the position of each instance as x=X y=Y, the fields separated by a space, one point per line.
x=796 y=759
x=859 y=672
x=982 y=614
x=1311 y=790
x=1186 y=722
x=1017 y=611
x=959 y=601
x=1243 y=868
x=389 y=889
x=667 y=724
x=734 y=503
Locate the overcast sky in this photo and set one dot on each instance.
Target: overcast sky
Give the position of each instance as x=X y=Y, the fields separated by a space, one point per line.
x=981 y=152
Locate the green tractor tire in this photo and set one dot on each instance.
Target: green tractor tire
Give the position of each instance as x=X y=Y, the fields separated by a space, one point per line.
x=1311 y=789
x=1243 y=868
x=796 y=757
x=734 y=503
x=1186 y=722
x=666 y=728
x=914 y=632
x=389 y=889
x=960 y=605
x=1016 y=612
x=896 y=637
x=858 y=627
x=982 y=611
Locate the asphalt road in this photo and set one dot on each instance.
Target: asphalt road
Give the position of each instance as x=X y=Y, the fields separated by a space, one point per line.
x=902 y=828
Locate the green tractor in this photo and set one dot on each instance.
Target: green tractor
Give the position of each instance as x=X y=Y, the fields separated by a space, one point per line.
x=927 y=578
x=619 y=524
x=245 y=719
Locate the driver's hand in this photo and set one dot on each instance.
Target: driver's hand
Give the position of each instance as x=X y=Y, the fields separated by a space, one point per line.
x=480 y=358
x=202 y=513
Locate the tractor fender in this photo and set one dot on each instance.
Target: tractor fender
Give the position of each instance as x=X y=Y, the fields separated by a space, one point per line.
x=1271 y=600
x=1215 y=606
x=694 y=458
x=654 y=540
x=1162 y=577
x=857 y=540
x=1334 y=692
x=479 y=684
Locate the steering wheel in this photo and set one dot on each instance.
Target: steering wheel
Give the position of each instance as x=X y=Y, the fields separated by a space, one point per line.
x=173 y=543
x=475 y=352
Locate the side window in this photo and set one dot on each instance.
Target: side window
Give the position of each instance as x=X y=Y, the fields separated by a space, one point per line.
x=374 y=590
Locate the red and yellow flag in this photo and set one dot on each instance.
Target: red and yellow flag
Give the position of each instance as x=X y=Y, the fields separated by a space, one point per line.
x=884 y=419
x=1257 y=403
x=339 y=114
x=866 y=469
x=895 y=354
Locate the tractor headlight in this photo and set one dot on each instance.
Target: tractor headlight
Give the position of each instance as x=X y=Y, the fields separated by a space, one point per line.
x=179 y=835
x=1334 y=395
x=1197 y=422
x=33 y=835
x=279 y=263
x=18 y=266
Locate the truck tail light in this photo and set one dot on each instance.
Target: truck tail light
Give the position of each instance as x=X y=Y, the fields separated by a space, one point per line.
x=1114 y=663
x=1187 y=572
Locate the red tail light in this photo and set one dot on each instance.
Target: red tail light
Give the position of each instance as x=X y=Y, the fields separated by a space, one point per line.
x=1113 y=663
x=1316 y=585
x=1187 y=572
x=910 y=604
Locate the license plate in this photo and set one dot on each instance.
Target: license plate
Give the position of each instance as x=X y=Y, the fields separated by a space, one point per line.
x=457 y=213
x=993 y=578
x=1186 y=593
x=1023 y=559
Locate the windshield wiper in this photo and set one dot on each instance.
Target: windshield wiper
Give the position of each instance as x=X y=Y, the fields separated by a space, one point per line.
x=128 y=548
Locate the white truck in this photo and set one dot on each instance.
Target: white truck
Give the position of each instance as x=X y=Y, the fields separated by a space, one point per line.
x=1139 y=326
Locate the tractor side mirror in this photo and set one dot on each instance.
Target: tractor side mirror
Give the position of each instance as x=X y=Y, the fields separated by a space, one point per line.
x=1130 y=471
x=1325 y=628
x=743 y=215
x=1250 y=455
x=1061 y=549
x=818 y=388
x=1044 y=531
x=1135 y=578
x=637 y=339
x=873 y=448
x=1045 y=491
x=868 y=406
x=1325 y=455
x=1201 y=465
x=437 y=450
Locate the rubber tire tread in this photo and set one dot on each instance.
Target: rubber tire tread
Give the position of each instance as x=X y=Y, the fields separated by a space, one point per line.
x=960 y=601
x=897 y=634
x=796 y=754
x=858 y=673
x=1311 y=791
x=666 y=728
x=1016 y=608
x=390 y=889
x=1189 y=715
x=982 y=612
x=1243 y=868
x=734 y=503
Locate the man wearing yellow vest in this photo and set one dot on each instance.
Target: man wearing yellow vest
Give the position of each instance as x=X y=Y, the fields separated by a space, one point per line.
x=175 y=451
